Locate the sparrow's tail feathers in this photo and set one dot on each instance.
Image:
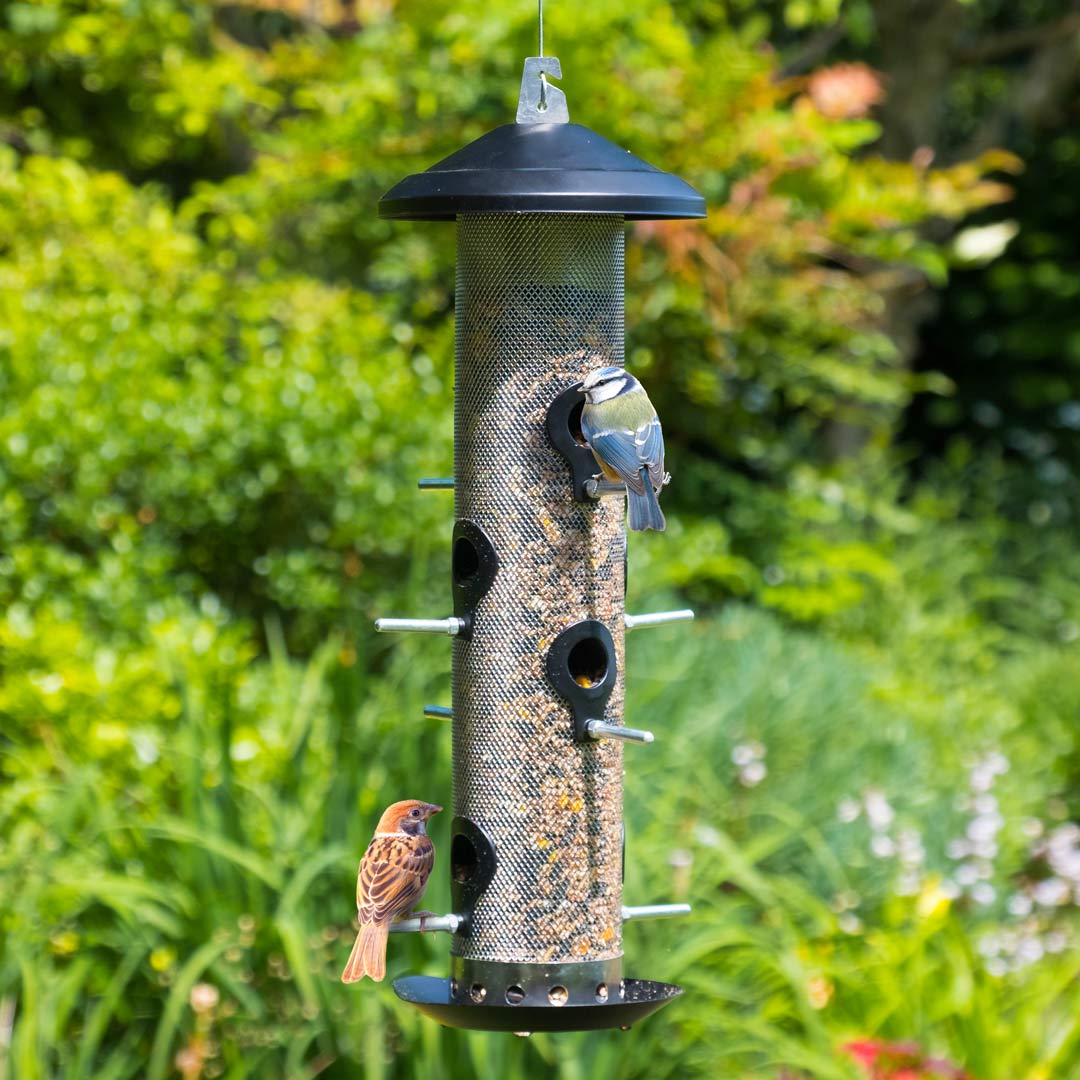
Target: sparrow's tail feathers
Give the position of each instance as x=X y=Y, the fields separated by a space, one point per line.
x=643 y=511
x=368 y=956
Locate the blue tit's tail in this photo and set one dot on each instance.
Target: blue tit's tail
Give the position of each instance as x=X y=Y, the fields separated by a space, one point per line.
x=643 y=511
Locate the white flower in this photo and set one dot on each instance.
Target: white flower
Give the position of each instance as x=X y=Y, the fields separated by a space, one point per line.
x=204 y=997
x=966 y=874
x=706 y=835
x=1032 y=828
x=753 y=773
x=958 y=849
x=983 y=243
x=878 y=811
x=882 y=846
x=848 y=810
x=1055 y=942
x=910 y=883
x=1051 y=892
x=1020 y=905
x=984 y=827
x=742 y=755
x=909 y=844
x=1028 y=951
x=849 y=923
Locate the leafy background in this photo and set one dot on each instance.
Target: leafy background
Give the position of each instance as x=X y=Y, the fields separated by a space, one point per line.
x=221 y=375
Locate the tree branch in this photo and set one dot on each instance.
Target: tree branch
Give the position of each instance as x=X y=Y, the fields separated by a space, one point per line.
x=814 y=51
x=1019 y=41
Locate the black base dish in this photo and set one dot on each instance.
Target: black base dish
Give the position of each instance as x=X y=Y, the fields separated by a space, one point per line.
x=639 y=999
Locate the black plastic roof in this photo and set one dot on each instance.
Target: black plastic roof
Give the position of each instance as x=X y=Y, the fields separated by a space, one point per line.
x=542 y=168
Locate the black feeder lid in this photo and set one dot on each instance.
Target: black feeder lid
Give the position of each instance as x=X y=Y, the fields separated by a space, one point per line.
x=543 y=164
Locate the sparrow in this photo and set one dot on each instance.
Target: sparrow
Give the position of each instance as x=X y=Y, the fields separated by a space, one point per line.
x=623 y=431
x=392 y=877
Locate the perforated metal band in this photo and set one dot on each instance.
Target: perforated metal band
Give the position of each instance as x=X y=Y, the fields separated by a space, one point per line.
x=539 y=303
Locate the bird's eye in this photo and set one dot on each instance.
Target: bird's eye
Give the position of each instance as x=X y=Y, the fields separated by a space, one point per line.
x=414 y=813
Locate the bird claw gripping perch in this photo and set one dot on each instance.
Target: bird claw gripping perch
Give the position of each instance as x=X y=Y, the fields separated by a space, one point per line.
x=423 y=916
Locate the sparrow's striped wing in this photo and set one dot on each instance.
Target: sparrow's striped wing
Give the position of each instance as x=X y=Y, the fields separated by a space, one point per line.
x=393 y=875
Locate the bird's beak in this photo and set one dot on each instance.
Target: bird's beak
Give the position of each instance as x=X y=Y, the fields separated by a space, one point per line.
x=432 y=810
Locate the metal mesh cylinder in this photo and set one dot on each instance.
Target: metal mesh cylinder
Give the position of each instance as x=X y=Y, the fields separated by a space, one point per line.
x=539 y=303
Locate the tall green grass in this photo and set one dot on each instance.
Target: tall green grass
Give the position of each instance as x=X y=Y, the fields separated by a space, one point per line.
x=220 y=848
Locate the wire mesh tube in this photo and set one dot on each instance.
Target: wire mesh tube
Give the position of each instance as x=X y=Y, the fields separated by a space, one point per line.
x=539 y=303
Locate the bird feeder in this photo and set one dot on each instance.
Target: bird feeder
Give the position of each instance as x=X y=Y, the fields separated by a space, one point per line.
x=538 y=574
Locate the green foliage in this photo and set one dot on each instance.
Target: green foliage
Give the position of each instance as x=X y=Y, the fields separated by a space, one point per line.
x=220 y=376
x=270 y=362
x=219 y=850
x=177 y=427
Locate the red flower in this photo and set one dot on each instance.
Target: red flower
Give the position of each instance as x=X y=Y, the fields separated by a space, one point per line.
x=900 y=1061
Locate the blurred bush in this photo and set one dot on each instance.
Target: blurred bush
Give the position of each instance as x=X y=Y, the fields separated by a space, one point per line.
x=254 y=375
x=220 y=376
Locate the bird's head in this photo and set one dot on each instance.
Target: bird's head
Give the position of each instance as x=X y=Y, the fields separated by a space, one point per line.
x=409 y=816
x=602 y=384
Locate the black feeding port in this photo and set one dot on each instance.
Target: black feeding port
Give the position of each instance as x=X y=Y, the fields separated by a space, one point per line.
x=472 y=865
x=564 y=431
x=466 y=561
x=573 y=422
x=582 y=667
x=473 y=566
x=587 y=662
x=463 y=858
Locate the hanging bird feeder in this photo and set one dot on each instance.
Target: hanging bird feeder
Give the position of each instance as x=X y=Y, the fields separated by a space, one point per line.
x=538 y=574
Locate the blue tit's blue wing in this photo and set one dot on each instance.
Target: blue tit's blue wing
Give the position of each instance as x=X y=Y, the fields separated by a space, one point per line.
x=620 y=453
x=650 y=447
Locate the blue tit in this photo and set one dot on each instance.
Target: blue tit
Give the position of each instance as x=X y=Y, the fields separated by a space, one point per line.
x=623 y=431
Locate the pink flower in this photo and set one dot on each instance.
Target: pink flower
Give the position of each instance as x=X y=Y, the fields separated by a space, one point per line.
x=845 y=91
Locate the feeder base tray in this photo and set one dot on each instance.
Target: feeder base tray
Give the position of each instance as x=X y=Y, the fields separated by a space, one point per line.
x=431 y=996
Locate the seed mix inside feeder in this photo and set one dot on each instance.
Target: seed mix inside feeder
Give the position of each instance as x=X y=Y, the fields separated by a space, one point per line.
x=538 y=574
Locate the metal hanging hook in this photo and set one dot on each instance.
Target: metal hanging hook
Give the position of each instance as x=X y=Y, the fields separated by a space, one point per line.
x=534 y=92
x=540 y=34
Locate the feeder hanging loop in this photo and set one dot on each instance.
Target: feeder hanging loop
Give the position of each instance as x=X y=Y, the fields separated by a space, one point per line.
x=541 y=103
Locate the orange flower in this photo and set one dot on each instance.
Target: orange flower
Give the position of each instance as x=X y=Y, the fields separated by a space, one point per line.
x=845 y=91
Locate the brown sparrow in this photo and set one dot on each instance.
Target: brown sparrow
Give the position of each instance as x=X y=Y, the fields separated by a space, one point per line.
x=392 y=877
